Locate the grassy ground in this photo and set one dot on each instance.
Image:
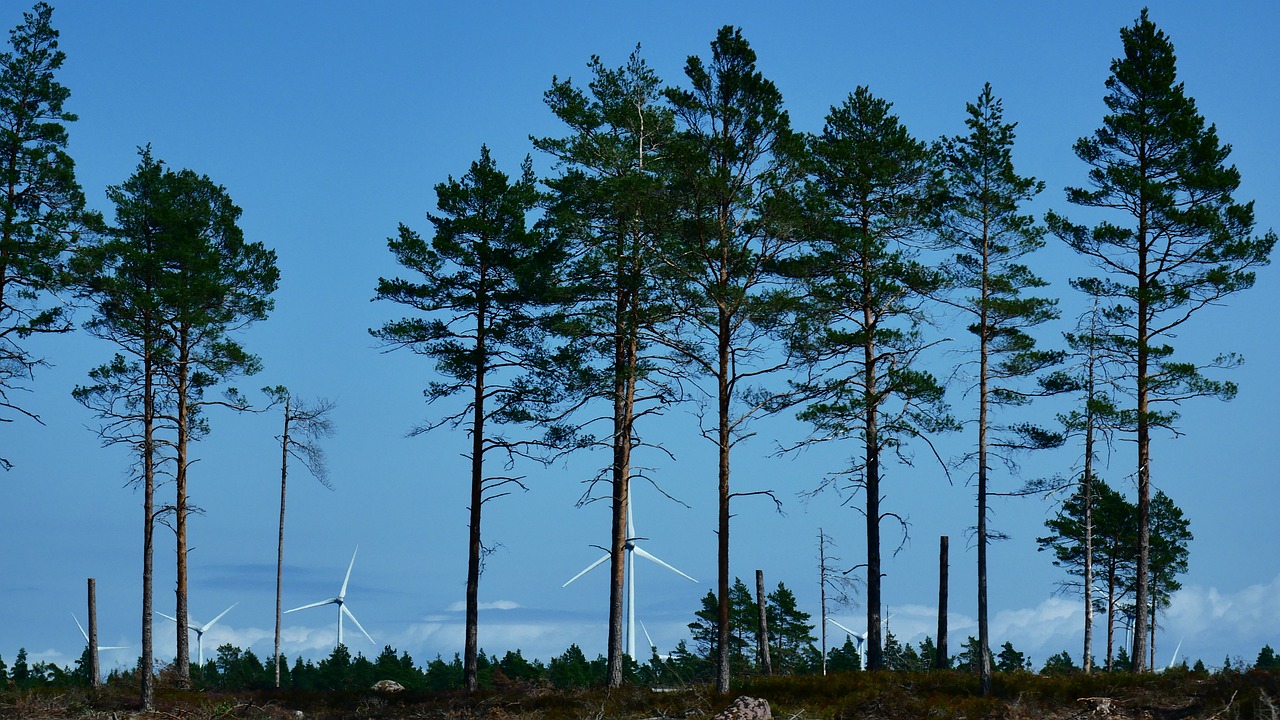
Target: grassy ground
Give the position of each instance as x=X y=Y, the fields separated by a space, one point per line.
x=870 y=696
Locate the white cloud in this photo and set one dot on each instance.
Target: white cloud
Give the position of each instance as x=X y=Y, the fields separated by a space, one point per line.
x=495 y=605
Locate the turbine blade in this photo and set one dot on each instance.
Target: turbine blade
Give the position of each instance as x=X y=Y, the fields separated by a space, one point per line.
x=82 y=632
x=343 y=592
x=167 y=617
x=645 y=554
x=588 y=569
x=1174 y=659
x=209 y=624
x=357 y=622
x=115 y=647
x=330 y=601
x=842 y=627
x=652 y=647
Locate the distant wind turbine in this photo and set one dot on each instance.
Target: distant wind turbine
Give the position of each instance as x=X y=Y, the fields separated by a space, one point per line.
x=632 y=549
x=200 y=630
x=862 y=639
x=340 y=601
x=86 y=636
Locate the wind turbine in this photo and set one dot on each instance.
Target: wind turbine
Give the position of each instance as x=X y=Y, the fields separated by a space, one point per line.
x=86 y=636
x=340 y=601
x=632 y=549
x=862 y=641
x=200 y=630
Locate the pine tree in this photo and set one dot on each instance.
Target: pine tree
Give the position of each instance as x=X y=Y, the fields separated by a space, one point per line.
x=731 y=177
x=858 y=335
x=41 y=204
x=1180 y=242
x=485 y=276
x=608 y=206
x=991 y=239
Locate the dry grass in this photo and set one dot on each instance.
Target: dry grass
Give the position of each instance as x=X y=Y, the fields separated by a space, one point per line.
x=864 y=696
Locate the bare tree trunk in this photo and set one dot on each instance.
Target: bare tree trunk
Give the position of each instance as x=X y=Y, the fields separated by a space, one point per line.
x=874 y=645
x=722 y=580
x=469 y=664
x=762 y=637
x=284 y=478
x=95 y=670
x=146 y=680
x=822 y=592
x=941 y=661
x=182 y=661
x=1144 y=451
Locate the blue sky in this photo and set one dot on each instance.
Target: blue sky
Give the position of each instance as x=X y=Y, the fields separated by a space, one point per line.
x=329 y=123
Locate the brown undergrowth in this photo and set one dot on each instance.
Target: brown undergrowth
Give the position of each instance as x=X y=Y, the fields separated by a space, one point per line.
x=846 y=696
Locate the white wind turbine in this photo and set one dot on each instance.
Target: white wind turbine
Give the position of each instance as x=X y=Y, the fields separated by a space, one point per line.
x=200 y=630
x=86 y=636
x=862 y=639
x=340 y=601
x=632 y=549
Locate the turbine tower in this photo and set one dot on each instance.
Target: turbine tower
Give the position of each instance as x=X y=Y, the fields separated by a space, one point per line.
x=200 y=630
x=862 y=641
x=632 y=549
x=340 y=601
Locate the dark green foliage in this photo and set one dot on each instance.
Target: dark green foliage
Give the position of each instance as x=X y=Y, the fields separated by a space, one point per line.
x=41 y=204
x=485 y=279
x=1178 y=242
x=983 y=226
x=609 y=206
x=857 y=334
x=791 y=635
x=1010 y=660
x=844 y=658
x=731 y=177
x=790 y=632
x=1267 y=659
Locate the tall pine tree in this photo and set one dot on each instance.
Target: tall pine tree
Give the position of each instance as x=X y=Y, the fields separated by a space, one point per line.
x=483 y=276
x=983 y=225
x=860 y=332
x=731 y=179
x=41 y=204
x=1178 y=242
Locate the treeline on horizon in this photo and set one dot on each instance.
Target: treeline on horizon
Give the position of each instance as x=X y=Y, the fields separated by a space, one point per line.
x=691 y=247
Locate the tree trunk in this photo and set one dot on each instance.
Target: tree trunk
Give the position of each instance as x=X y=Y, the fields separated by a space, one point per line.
x=95 y=670
x=762 y=637
x=941 y=661
x=874 y=645
x=284 y=477
x=822 y=592
x=722 y=581
x=984 y=389
x=146 y=680
x=182 y=661
x=469 y=663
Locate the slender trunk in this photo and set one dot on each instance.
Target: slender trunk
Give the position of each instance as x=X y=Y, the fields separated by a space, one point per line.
x=1111 y=614
x=470 y=669
x=1144 y=437
x=284 y=477
x=762 y=637
x=822 y=592
x=95 y=670
x=147 y=663
x=874 y=645
x=722 y=582
x=941 y=660
x=182 y=662
x=984 y=407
